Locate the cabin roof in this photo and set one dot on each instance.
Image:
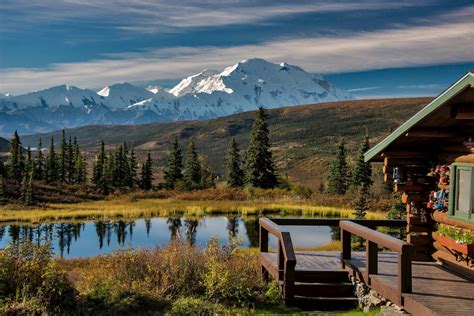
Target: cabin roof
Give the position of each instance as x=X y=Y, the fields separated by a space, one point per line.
x=450 y=95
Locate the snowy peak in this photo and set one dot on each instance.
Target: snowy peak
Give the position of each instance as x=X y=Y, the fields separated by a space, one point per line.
x=122 y=95
x=241 y=87
x=188 y=85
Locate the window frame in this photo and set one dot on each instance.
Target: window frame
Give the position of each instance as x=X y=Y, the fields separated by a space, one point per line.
x=453 y=193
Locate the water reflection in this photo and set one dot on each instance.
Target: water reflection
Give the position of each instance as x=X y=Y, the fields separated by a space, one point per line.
x=85 y=239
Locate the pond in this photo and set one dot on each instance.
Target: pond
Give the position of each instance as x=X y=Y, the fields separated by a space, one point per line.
x=92 y=238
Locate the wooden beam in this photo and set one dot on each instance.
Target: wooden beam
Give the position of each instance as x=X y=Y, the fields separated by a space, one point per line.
x=464 y=112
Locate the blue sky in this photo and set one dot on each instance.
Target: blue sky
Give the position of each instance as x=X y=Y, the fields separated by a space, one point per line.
x=373 y=48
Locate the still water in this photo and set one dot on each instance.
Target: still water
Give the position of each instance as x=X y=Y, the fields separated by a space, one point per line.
x=92 y=238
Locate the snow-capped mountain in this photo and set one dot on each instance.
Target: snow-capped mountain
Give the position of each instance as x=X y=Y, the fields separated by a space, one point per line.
x=242 y=87
x=121 y=95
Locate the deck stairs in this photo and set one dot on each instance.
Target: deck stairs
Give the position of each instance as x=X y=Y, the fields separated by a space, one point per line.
x=322 y=288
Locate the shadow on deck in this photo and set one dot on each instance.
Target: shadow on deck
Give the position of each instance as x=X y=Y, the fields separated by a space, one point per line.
x=322 y=276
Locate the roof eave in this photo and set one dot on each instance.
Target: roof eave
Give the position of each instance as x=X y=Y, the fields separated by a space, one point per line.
x=461 y=84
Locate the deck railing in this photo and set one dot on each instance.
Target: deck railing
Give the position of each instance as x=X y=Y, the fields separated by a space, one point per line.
x=286 y=257
x=374 y=239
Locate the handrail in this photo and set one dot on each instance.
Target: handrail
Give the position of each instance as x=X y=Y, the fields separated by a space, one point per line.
x=286 y=257
x=335 y=222
x=373 y=240
x=379 y=238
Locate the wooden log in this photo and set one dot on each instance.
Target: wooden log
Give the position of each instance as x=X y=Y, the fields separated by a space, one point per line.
x=419 y=228
x=443 y=218
x=414 y=188
x=405 y=154
x=425 y=257
x=413 y=219
x=465 y=158
x=419 y=240
x=390 y=162
x=408 y=197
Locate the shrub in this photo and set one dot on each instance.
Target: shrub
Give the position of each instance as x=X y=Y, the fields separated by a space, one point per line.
x=272 y=294
x=28 y=274
x=195 y=306
x=232 y=277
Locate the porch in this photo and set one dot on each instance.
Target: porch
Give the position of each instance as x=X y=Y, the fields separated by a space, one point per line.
x=421 y=288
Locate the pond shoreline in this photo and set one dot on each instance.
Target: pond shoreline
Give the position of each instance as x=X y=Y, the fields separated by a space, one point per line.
x=126 y=207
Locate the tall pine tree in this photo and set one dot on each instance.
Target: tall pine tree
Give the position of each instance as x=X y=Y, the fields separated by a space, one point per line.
x=192 y=168
x=15 y=161
x=40 y=163
x=133 y=169
x=338 y=179
x=52 y=171
x=26 y=196
x=3 y=190
x=63 y=158
x=147 y=174
x=235 y=174
x=173 y=173
x=99 y=166
x=259 y=166
x=361 y=176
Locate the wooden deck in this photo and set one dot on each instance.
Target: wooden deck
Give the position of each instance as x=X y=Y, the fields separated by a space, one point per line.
x=435 y=290
x=421 y=288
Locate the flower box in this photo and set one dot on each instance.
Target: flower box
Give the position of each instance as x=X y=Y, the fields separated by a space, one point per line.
x=466 y=249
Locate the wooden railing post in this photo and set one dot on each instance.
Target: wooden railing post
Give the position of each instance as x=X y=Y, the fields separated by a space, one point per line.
x=371 y=258
x=346 y=240
x=404 y=273
x=263 y=242
x=289 y=265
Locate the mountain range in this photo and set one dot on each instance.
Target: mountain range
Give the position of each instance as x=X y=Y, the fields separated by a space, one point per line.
x=303 y=137
x=239 y=88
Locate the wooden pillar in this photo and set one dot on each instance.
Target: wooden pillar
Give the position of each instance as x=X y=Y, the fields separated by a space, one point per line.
x=371 y=258
x=346 y=239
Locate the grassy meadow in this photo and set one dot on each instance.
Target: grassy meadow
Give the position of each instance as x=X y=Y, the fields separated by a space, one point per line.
x=195 y=203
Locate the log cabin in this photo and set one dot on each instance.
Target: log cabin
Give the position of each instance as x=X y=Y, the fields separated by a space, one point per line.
x=430 y=161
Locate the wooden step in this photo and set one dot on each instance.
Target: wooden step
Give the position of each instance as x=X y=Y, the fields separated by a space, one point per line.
x=321 y=276
x=323 y=303
x=323 y=289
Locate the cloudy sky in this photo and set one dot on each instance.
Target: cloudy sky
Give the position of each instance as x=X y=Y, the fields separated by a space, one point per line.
x=372 y=48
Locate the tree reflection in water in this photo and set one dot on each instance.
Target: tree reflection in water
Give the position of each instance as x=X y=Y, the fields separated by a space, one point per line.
x=112 y=235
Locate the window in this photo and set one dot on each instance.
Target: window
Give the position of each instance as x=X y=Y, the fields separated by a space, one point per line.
x=461 y=204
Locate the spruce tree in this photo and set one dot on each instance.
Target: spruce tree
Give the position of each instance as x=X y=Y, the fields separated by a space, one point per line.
x=15 y=161
x=70 y=162
x=79 y=167
x=104 y=180
x=338 y=179
x=361 y=176
x=173 y=172
x=3 y=169
x=40 y=163
x=26 y=196
x=147 y=174
x=133 y=169
x=259 y=166
x=52 y=172
x=99 y=166
x=235 y=174
x=192 y=168
x=3 y=190
x=63 y=158
x=360 y=209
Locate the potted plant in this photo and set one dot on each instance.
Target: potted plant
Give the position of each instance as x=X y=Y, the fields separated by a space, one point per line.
x=457 y=239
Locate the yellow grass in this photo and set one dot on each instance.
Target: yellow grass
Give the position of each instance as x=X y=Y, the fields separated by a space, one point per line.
x=126 y=207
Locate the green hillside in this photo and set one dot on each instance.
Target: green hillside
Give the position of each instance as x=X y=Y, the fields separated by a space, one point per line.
x=303 y=137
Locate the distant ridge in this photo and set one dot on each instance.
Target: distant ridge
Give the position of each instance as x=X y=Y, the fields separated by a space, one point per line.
x=302 y=137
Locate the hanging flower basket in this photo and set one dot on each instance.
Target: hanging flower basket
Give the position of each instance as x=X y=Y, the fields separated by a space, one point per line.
x=466 y=249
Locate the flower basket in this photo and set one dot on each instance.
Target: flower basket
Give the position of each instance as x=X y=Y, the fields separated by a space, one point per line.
x=466 y=249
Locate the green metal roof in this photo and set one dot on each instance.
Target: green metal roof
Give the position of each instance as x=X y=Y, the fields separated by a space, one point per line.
x=461 y=84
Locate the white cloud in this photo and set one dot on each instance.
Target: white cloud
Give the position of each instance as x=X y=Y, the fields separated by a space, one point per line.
x=363 y=89
x=150 y=16
x=422 y=45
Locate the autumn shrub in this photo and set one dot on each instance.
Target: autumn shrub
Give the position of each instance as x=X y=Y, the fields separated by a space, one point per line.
x=196 y=306
x=231 y=276
x=31 y=282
